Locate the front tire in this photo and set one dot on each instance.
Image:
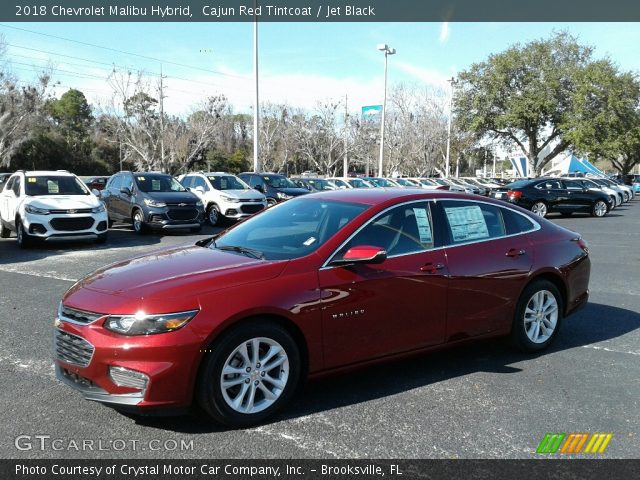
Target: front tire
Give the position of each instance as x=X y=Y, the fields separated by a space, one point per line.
x=538 y=316
x=252 y=371
x=138 y=222
x=24 y=239
x=213 y=215
x=540 y=208
x=4 y=231
x=599 y=209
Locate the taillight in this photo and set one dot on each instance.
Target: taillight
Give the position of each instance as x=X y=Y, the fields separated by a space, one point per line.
x=443 y=187
x=582 y=243
x=514 y=194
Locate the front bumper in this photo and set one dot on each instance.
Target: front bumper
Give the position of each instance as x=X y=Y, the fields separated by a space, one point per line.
x=171 y=218
x=169 y=360
x=53 y=227
x=236 y=211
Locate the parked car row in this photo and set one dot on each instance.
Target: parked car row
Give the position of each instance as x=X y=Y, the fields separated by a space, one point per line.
x=566 y=195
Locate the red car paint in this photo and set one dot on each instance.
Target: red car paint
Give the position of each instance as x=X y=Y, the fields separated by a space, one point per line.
x=342 y=317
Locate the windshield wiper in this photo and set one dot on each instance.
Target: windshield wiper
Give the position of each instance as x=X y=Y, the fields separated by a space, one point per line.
x=210 y=241
x=250 y=252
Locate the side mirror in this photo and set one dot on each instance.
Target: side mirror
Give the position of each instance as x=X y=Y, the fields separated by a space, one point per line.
x=126 y=191
x=260 y=188
x=96 y=192
x=362 y=254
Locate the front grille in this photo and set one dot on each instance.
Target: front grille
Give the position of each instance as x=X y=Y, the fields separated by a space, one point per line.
x=73 y=349
x=79 y=316
x=72 y=224
x=252 y=200
x=251 y=208
x=70 y=211
x=183 y=214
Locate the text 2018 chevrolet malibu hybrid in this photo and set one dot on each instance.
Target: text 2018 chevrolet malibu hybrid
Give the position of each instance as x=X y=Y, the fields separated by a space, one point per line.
x=319 y=284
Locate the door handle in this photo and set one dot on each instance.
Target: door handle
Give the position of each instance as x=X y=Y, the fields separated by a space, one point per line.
x=514 y=252
x=431 y=267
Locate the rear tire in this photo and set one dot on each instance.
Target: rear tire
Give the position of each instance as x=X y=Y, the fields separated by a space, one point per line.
x=538 y=316
x=252 y=393
x=599 y=209
x=540 y=208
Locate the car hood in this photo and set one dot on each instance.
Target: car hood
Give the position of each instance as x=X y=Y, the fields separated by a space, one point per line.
x=294 y=192
x=173 y=197
x=179 y=272
x=63 y=202
x=249 y=194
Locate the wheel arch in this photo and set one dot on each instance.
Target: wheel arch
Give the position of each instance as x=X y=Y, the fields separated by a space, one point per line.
x=556 y=279
x=287 y=324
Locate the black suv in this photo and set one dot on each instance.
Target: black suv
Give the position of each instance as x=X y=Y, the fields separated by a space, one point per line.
x=277 y=188
x=152 y=200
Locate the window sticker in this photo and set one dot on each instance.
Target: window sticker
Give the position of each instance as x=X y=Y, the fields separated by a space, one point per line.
x=310 y=241
x=155 y=184
x=140 y=178
x=52 y=187
x=32 y=179
x=467 y=223
x=424 y=227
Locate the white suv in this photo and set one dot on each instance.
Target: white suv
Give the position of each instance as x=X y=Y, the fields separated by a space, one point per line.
x=50 y=206
x=224 y=195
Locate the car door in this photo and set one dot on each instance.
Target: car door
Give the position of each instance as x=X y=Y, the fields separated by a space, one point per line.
x=12 y=200
x=374 y=310
x=111 y=197
x=578 y=196
x=487 y=268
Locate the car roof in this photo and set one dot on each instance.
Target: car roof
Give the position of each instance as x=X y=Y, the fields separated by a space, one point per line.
x=41 y=173
x=375 y=196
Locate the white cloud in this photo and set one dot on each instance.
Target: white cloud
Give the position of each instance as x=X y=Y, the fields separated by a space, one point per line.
x=444 y=32
x=428 y=76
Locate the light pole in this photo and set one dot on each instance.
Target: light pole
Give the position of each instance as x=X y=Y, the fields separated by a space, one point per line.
x=383 y=47
x=453 y=81
x=256 y=102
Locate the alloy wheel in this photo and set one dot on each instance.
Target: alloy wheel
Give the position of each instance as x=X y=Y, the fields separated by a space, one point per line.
x=541 y=316
x=137 y=221
x=254 y=375
x=214 y=215
x=540 y=209
x=600 y=209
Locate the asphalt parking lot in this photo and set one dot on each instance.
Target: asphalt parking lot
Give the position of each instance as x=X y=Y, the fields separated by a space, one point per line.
x=483 y=401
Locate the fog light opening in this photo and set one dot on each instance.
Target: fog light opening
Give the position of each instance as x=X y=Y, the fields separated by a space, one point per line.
x=123 y=377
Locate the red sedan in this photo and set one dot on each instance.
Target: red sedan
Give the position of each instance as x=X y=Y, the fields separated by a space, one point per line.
x=322 y=283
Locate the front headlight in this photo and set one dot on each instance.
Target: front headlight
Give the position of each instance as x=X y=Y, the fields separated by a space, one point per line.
x=283 y=196
x=199 y=203
x=143 y=324
x=152 y=203
x=99 y=209
x=229 y=199
x=36 y=210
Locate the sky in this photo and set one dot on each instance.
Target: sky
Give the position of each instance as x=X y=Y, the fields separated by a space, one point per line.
x=299 y=63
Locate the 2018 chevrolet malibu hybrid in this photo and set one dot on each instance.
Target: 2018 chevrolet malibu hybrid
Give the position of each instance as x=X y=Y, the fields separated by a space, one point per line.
x=319 y=284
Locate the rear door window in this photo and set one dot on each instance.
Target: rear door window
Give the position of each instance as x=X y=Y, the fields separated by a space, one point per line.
x=470 y=221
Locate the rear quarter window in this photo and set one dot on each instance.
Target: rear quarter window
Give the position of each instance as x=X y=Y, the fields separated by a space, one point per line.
x=515 y=223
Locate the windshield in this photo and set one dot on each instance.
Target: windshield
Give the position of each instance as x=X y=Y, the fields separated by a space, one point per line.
x=340 y=183
x=320 y=184
x=279 y=182
x=358 y=183
x=158 y=183
x=405 y=183
x=54 y=185
x=429 y=183
x=440 y=181
x=227 y=182
x=292 y=229
x=381 y=182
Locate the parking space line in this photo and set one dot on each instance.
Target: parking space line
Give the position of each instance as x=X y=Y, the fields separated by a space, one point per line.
x=596 y=347
x=20 y=270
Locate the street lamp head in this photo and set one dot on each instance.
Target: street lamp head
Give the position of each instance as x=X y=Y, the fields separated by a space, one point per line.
x=391 y=51
x=382 y=47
